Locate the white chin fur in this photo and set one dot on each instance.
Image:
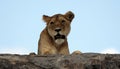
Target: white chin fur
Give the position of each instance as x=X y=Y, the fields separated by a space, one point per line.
x=59 y=41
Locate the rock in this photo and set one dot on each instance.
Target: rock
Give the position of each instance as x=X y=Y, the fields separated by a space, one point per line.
x=79 y=61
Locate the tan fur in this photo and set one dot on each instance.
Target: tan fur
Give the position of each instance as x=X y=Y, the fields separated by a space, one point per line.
x=51 y=41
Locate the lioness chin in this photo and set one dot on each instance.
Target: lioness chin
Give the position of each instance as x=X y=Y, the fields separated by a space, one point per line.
x=53 y=39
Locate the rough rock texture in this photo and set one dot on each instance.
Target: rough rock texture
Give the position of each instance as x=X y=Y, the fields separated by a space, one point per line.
x=82 y=61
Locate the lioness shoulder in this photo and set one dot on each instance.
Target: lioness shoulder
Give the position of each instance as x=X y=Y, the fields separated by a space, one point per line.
x=53 y=39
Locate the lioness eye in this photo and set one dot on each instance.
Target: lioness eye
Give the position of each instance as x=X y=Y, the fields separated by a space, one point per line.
x=63 y=21
x=51 y=22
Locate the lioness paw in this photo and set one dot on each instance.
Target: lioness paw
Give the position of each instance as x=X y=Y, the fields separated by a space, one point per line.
x=77 y=52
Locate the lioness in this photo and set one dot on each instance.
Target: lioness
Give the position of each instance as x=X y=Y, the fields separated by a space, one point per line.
x=53 y=39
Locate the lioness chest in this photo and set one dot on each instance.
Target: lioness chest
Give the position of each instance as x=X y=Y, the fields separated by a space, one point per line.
x=48 y=46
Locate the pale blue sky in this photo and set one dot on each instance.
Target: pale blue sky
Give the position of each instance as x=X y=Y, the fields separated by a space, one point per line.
x=95 y=28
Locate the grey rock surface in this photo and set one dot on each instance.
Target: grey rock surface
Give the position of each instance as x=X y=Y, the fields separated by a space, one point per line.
x=82 y=61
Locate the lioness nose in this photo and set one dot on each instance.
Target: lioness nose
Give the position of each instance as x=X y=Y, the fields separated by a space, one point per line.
x=57 y=30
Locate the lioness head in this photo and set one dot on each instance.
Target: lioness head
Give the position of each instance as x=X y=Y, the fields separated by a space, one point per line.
x=58 y=26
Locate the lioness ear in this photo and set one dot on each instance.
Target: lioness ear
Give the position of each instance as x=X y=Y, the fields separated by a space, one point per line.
x=46 y=18
x=69 y=15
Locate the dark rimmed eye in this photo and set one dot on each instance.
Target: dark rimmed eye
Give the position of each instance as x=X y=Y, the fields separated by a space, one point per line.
x=63 y=21
x=51 y=22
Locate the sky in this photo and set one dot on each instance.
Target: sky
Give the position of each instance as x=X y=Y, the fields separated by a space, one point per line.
x=95 y=28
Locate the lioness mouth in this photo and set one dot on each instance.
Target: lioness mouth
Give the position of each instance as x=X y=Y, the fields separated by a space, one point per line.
x=58 y=36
